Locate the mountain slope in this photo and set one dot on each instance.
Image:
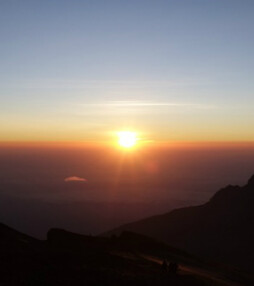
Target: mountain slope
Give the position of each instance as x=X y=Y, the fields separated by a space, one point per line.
x=13 y=240
x=67 y=259
x=72 y=259
x=134 y=259
x=221 y=229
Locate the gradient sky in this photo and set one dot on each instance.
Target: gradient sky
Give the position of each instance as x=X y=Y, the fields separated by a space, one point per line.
x=171 y=70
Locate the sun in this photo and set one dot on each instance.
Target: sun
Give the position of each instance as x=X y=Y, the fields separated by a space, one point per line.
x=127 y=139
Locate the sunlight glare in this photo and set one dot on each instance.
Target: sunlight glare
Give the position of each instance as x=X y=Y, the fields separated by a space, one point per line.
x=127 y=139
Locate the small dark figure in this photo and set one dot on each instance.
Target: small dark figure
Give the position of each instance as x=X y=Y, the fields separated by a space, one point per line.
x=173 y=267
x=170 y=267
x=164 y=266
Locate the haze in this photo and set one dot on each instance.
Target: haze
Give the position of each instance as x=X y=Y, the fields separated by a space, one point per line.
x=91 y=189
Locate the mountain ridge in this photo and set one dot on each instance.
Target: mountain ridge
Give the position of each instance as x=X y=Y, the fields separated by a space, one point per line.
x=220 y=229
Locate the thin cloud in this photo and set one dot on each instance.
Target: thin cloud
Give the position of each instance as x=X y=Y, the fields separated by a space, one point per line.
x=154 y=104
x=123 y=104
x=139 y=107
x=75 y=179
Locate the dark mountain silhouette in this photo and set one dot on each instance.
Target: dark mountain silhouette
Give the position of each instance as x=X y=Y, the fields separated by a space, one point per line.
x=72 y=259
x=67 y=258
x=221 y=230
x=12 y=240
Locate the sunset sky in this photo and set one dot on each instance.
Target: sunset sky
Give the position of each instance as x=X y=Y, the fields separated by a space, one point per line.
x=168 y=70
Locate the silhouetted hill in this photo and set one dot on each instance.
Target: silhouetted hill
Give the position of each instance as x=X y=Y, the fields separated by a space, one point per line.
x=72 y=259
x=221 y=230
x=135 y=259
x=67 y=258
x=13 y=240
x=127 y=241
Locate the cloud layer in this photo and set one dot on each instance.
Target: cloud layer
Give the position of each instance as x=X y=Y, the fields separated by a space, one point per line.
x=75 y=179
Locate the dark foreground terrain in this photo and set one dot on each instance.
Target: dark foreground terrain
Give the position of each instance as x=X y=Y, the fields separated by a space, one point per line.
x=220 y=230
x=70 y=259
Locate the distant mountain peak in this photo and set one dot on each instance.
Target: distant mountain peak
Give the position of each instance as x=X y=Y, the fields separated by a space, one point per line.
x=251 y=181
x=220 y=229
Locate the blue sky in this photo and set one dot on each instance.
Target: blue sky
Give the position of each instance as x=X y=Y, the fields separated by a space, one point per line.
x=174 y=70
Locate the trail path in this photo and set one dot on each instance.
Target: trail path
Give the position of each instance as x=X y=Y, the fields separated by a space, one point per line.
x=201 y=273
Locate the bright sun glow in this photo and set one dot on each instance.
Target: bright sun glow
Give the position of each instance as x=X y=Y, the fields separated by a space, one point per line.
x=127 y=139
